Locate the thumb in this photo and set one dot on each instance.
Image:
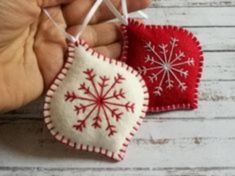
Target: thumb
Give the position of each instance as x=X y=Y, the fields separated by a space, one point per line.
x=51 y=3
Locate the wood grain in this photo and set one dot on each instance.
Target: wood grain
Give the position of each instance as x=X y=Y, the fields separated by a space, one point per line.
x=193 y=3
x=186 y=171
x=217 y=99
x=192 y=143
x=157 y=144
x=195 y=16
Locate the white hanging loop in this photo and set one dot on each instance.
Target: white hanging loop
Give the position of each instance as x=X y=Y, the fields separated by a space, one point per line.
x=84 y=25
x=90 y=14
x=116 y=13
x=62 y=30
x=144 y=15
x=125 y=9
x=89 y=17
x=124 y=19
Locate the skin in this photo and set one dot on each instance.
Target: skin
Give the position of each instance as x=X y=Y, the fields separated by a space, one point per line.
x=32 y=50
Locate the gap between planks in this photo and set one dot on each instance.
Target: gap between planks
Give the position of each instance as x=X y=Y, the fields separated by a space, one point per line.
x=192 y=3
x=31 y=145
x=216 y=101
x=223 y=16
x=115 y=169
x=213 y=171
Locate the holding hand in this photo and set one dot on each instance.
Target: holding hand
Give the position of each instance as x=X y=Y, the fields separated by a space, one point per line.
x=32 y=49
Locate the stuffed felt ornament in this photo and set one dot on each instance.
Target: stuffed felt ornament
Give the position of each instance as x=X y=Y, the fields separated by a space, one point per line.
x=95 y=104
x=169 y=58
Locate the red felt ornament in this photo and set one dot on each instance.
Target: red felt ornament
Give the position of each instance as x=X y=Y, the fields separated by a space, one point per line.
x=170 y=59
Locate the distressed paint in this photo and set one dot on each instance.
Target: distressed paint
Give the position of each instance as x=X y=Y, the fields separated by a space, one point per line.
x=190 y=143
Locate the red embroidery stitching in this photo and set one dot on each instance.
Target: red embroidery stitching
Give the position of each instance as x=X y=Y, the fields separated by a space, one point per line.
x=79 y=146
x=99 y=100
x=200 y=60
x=165 y=62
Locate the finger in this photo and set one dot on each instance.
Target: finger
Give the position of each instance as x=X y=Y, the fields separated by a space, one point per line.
x=50 y=46
x=76 y=11
x=112 y=51
x=51 y=3
x=100 y=34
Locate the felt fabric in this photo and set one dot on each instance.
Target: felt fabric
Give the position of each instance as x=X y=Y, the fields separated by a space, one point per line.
x=170 y=59
x=95 y=104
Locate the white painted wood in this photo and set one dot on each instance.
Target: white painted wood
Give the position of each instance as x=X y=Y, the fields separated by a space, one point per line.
x=192 y=3
x=114 y=172
x=222 y=63
x=217 y=100
x=200 y=142
x=199 y=16
x=210 y=25
x=215 y=39
x=158 y=144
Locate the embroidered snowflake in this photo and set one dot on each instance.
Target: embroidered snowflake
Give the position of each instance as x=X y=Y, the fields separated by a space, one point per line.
x=167 y=66
x=99 y=100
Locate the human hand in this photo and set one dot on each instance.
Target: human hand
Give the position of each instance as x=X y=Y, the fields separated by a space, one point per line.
x=32 y=50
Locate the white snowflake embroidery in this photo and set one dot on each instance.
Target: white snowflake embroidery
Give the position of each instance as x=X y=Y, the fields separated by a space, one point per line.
x=167 y=66
x=99 y=100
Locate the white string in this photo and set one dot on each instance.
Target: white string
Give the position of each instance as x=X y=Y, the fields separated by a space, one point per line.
x=90 y=14
x=89 y=17
x=62 y=30
x=144 y=15
x=116 y=13
x=125 y=9
x=84 y=25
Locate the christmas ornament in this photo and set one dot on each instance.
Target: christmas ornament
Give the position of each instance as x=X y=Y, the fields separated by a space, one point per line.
x=169 y=58
x=95 y=104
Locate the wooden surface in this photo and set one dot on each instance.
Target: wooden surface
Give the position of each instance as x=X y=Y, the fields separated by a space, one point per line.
x=200 y=142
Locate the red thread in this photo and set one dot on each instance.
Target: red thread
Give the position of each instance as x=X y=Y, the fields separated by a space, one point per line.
x=99 y=99
x=56 y=134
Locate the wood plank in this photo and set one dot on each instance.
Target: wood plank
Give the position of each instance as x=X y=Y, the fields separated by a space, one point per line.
x=193 y=3
x=223 y=16
x=191 y=143
x=215 y=39
x=158 y=144
x=38 y=171
x=222 y=63
x=217 y=100
x=215 y=33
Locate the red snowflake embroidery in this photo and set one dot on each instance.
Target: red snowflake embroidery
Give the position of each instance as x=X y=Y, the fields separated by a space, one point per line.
x=99 y=100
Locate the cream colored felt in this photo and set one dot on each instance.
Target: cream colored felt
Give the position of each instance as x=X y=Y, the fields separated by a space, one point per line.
x=60 y=115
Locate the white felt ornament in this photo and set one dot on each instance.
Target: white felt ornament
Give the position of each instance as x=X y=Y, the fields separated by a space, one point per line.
x=96 y=103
